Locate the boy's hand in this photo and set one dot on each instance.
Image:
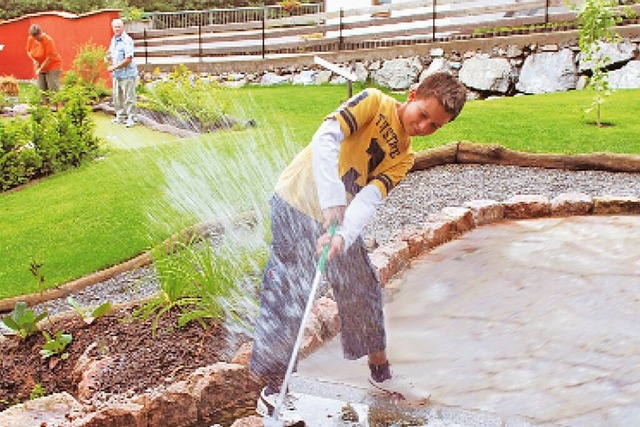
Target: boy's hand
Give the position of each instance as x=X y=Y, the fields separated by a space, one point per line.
x=333 y=215
x=336 y=242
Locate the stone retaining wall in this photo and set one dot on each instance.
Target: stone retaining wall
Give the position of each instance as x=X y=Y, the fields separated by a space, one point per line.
x=501 y=66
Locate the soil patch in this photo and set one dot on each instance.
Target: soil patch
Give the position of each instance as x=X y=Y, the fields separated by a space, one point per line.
x=140 y=360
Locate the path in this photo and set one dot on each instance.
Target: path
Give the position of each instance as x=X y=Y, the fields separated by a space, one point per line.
x=531 y=322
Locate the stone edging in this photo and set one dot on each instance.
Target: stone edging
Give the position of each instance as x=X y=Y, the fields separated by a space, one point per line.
x=454 y=153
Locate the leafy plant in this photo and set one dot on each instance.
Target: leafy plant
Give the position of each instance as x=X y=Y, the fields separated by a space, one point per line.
x=89 y=71
x=201 y=281
x=90 y=314
x=172 y=272
x=23 y=320
x=37 y=392
x=596 y=19
x=47 y=142
x=290 y=5
x=133 y=14
x=192 y=101
x=55 y=346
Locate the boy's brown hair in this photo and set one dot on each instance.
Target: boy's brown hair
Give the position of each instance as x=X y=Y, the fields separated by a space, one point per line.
x=445 y=88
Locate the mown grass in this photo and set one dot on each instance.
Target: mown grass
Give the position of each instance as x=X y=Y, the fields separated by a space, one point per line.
x=103 y=213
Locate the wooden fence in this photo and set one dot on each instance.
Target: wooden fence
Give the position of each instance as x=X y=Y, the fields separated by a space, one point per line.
x=367 y=28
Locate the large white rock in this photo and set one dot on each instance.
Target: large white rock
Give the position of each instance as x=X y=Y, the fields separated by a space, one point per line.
x=548 y=72
x=305 y=77
x=270 y=79
x=627 y=77
x=488 y=74
x=611 y=53
x=398 y=74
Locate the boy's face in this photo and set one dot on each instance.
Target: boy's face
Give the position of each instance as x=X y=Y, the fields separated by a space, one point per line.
x=422 y=117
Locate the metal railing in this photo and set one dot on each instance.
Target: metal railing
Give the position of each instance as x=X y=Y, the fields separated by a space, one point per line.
x=194 y=18
x=416 y=22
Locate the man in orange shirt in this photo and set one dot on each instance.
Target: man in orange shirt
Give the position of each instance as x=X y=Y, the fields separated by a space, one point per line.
x=47 y=61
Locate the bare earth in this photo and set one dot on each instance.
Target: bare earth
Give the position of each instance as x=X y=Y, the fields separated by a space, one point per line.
x=140 y=361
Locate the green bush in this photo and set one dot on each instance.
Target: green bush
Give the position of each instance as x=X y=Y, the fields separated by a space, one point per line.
x=192 y=101
x=88 y=70
x=47 y=142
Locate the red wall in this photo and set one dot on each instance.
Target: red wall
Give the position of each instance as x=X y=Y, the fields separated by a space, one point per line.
x=69 y=31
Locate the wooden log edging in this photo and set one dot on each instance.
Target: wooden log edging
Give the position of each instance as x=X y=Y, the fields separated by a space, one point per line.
x=471 y=153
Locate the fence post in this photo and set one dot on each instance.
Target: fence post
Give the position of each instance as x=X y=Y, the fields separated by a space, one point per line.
x=546 y=13
x=433 y=17
x=340 y=36
x=146 y=52
x=199 y=41
x=264 y=29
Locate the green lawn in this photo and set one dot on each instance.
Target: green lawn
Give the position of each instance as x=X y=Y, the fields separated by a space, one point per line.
x=150 y=184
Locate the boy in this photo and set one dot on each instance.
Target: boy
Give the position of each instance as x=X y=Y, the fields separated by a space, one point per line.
x=359 y=153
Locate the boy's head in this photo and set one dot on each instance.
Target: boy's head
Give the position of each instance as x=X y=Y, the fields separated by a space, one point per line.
x=436 y=101
x=445 y=88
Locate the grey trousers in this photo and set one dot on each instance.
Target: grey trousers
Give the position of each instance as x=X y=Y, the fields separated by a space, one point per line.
x=286 y=284
x=49 y=82
x=124 y=98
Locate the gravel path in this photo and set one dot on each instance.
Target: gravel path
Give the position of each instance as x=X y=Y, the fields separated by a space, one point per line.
x=420 y=195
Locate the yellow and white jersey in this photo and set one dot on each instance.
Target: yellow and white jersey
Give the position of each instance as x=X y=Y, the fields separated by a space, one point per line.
x=375 y=150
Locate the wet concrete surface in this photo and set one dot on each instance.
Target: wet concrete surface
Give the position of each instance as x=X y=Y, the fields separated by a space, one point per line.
x=519 y=323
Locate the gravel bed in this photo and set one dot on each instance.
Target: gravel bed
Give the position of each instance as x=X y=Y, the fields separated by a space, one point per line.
x=420 y=195
x=426 y=192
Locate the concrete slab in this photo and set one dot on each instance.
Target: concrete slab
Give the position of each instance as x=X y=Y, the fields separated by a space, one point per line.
x=531 y=322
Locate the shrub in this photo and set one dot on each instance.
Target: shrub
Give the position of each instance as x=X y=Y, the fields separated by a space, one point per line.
x=47 y=142
x=88 y=70
x=9 y=86
x=194 y=102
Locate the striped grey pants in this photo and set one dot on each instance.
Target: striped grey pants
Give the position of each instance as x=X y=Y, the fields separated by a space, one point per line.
x=286 y=284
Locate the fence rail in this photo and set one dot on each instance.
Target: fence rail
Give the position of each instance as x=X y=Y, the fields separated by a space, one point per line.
x=191 y=18
x=387 y=25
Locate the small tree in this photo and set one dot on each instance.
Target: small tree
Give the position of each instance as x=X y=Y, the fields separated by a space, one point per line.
x=596 y=19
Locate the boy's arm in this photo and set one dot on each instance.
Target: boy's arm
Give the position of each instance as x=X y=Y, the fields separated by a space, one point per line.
x=325 y=147
x=364 y=204
x=359 y=213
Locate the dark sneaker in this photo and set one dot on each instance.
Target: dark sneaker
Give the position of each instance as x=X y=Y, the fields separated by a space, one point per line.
x=380 y=373
x=288 y=414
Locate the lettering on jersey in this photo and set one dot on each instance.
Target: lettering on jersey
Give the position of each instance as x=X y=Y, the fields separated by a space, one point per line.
x=389 y=135
x=346 y=113
x=350 y=180
x=376 y=155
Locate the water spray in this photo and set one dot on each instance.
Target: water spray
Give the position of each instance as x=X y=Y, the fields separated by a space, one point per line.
x=274 y=420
